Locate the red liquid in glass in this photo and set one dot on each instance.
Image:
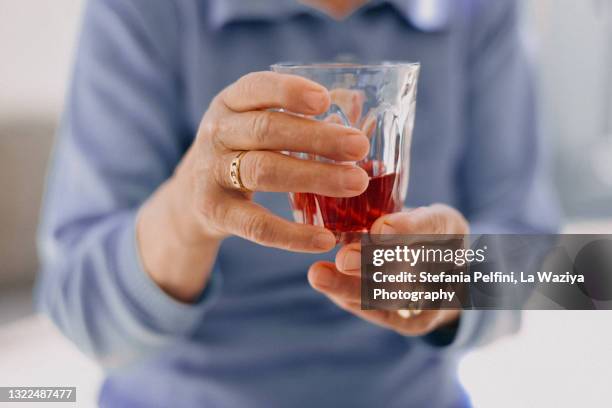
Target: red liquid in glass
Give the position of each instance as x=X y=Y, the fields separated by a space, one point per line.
x=347 y=217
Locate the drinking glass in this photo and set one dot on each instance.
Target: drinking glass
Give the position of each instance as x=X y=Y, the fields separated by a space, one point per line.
x=379 y=99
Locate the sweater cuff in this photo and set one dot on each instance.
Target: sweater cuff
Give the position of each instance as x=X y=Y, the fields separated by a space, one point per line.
x=160 y=310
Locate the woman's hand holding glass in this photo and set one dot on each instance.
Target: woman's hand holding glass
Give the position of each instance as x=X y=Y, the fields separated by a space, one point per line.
x=182 y=225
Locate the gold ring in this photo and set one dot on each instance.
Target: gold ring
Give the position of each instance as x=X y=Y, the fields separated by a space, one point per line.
x=404 y=313
x=410 y=311
x=235 y=172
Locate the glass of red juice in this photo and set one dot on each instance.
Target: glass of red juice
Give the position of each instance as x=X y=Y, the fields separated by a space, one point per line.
x=379 y=99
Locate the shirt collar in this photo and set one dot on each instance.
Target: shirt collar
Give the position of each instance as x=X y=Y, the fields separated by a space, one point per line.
x=425 y=15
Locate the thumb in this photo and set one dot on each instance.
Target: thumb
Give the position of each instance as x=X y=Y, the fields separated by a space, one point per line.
x=435 y=219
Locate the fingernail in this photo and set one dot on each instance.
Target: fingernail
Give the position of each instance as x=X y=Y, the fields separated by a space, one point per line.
x=323 y=278
x=356 y=146
x=354 y=179
x=387 y=229
x=389 y=224
x=324 y=241
x=315 y=100
x=352 y=261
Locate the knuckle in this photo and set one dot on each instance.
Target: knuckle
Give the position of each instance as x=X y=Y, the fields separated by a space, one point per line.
x=246 y=80
x=210 y=209
x=438 y=223
x=214 y=131
x=210 y=127
x=256 y=228
x=249 y=83
x=254 y=76
x=223 y=125
x=262 y=123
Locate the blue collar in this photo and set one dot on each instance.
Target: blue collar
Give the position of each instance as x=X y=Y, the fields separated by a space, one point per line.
x=425 y=15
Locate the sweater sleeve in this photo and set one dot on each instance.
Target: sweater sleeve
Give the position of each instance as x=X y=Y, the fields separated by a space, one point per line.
x=121 y=136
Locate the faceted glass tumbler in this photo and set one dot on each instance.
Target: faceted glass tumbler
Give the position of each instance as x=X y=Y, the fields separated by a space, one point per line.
x=379 y=99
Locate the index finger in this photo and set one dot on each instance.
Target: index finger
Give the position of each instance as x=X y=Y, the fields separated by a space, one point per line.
x=271 y=90
x=250 y=221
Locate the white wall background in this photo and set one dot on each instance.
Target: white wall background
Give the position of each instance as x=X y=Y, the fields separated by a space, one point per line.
x=561 y=359
x=574 y=58
x=36 y=40
x=36 y=43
